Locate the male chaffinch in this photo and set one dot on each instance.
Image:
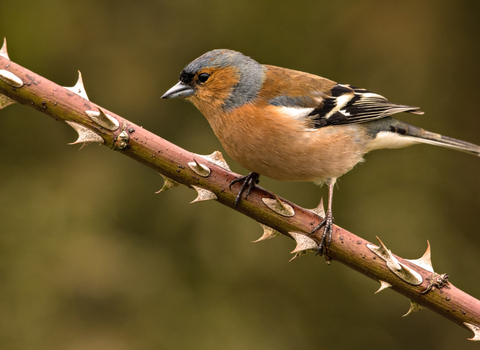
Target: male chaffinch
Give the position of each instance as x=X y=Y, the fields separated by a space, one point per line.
x=295 y=126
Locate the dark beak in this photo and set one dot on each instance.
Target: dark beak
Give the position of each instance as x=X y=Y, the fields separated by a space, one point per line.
x=179 y=91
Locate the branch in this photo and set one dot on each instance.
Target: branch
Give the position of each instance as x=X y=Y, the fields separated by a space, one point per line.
x=210 y=176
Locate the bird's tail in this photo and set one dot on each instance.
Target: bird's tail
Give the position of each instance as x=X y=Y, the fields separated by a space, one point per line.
x=423 y=136
x=392 y=133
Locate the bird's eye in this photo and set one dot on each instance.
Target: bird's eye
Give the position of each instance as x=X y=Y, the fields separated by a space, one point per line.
x=203 y=77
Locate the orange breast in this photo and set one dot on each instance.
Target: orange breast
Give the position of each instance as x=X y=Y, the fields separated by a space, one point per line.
x=284 y=148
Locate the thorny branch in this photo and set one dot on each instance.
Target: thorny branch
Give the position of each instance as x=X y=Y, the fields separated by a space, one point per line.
x=210 y=177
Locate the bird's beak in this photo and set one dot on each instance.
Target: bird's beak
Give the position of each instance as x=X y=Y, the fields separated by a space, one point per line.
x=179 y=91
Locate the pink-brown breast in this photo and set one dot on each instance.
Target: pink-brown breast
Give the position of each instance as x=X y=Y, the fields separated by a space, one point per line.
x=284 y=148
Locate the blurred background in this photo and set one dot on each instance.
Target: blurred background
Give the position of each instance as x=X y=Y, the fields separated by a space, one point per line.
x=91 y=258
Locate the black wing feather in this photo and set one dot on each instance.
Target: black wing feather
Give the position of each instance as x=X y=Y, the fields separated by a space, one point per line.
x=361 y=106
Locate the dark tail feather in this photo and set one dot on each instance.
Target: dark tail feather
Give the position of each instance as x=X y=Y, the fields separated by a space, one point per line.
x=423 y=136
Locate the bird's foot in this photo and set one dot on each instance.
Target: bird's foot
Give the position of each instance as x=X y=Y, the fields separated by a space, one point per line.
x=326 y=239
x=249 y=182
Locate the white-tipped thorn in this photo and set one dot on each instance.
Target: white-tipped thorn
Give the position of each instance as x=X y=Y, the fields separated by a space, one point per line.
x=278 y=206
x=168 y=183
x=104 y=120
x=85 y=135
x=216 y=158
x=404 y=272
x=268 y=233
x=203 y=195
x=385 y=253
x=475 y=329
x=199 y=169
x=3 y=50
x=296 y=256
x=10 y=78
x=425 y=261
x=6 y=101
x=414 y=307
x=304 y=244
x=78 y=88
x=319 y=210
x=383 y=285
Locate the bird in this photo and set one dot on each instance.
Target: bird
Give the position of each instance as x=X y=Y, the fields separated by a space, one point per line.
x=290 y=125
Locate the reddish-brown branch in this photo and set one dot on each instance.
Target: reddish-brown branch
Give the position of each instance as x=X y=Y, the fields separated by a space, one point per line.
x=172 y=161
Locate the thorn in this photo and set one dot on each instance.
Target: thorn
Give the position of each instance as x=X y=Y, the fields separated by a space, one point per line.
x=425 y=261
x=85 y=135
x=104 y=120
x=296 y=256
x=303 y=248
x=10 y=78
x=385 y=254
x=404 y=272
x=216 y=158
x=414 y=307
x=278 y=206
x=475 y=329
x=305 y=244
x=3 y=50
x=199 y=169
x=383 y=285
x=168 y=183
x=319 y=210
x=78 y=88
x=268 y=233
x=6 y=101
x=203 y=195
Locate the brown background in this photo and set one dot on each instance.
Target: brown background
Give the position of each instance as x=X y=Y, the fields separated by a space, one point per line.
x=90 y=258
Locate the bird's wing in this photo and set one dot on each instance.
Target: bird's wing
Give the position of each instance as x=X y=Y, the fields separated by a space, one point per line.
x=351 y=105
x=341 y=104
x=324 y=102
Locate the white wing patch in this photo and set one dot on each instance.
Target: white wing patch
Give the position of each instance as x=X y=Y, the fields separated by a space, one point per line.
x=340 y=102
x=368 y=95
x=294 y=112
x=343 y=100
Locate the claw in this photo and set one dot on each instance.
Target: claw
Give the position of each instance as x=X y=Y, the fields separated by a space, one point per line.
x=328 y=221
x=249 y=180
x=326 y=239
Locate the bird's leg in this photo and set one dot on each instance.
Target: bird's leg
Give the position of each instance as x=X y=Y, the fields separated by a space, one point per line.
x=249 y=180
x=327 y=223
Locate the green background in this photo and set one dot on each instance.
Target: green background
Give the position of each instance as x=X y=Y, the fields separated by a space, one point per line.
x=91 y=258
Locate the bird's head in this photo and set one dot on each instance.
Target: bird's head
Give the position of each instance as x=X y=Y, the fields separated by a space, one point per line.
x=219 y=80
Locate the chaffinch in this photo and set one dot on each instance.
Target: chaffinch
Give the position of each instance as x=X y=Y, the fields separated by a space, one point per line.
x=295 y=126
